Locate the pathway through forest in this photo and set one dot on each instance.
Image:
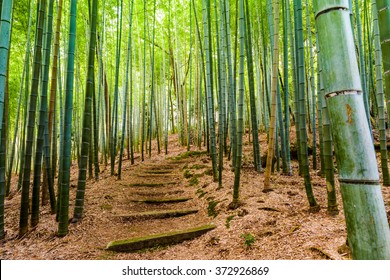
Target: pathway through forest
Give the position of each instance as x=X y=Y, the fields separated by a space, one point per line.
x=159 y=193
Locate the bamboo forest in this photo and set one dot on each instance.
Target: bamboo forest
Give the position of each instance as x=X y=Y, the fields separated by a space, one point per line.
x=194 y=129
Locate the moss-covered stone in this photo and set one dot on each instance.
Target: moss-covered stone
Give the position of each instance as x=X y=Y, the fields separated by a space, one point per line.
x=157 y=214
x=168 y=238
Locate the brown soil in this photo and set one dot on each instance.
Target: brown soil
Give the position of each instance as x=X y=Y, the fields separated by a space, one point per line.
x=280 y=222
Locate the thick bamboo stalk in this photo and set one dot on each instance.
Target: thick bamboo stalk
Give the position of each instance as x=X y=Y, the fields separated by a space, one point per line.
x=367 y=225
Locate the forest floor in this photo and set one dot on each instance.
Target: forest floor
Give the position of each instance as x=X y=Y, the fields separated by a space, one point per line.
x=275 y=225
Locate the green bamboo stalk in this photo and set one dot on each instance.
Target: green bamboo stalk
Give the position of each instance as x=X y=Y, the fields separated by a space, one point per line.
x=152 y=91
x=53 y=89
x=294 y=64
x=100 y=104
x=61 y=136
x=252 y=100
x=25 y=75
x=190 y=90
x=114 y=119
x=327 y=142
x=367 y=225
x=240 y=120
x=232 y=87
x=167 y=93
x=48 y=181
x=203 y=78
x=5 y=42
x=209 y=75
x=2 y=176
x=24 y=121
x=302 y=110
x=264 y=66
x=362 y=63
x=42 y=135
x=144 y=89
x=380 y=98
x=281 y=131
x=67 y=145
x=383 y=7
x=95 y=132
x=286 y=28
x=129 y=46
x=225 y=86
x=86 y=133
x=221 y=96
x=312 y=87
x=370 y=82
x=23 y=220
x=130 y=118
x=273 y=131
x=321 y=103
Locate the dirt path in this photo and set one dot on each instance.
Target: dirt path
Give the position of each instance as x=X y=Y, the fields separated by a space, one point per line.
x=162 y=209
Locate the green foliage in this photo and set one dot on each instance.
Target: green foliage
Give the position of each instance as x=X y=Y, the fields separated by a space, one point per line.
x=188 y=174
x=189 y=154
x=209 y=172
x=194 y=181
x=228 y=220
x=211 y=209
x=201 y=193
x=249 y=239
x=106 y=207
x=198 y=166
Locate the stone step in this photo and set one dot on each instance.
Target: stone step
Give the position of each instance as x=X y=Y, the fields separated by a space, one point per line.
x=157 y=171
x=162 y=193
x=156 y=214
x=152 y=175
x=149 y=241
x=168 y=166
x=162 y=200
x=146 y=184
